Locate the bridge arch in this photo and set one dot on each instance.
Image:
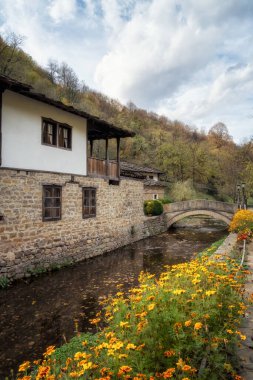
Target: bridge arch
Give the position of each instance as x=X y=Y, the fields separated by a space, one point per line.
x=185 y=214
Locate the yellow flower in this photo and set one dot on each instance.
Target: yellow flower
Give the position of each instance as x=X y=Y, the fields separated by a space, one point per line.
x=151 y=306
x=178 y=291
x=188 y=323
x=124 y=324
x=210 y=292
x=131 y=346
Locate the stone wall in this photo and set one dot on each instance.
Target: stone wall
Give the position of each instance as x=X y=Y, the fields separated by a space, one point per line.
x=149 y=192
x=28 y=244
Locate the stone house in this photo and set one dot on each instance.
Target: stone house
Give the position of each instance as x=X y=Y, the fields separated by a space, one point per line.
x=154 y=187
x=58 y=203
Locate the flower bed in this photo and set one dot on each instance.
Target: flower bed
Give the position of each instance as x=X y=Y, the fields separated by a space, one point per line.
x=242 y=223
x=183 y=326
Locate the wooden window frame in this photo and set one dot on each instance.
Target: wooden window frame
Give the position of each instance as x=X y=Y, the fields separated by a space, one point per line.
x=58 y=126
x=48 y=219
x=89 y=215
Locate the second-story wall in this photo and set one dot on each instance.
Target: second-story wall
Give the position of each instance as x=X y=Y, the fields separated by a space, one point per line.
x=22 y=146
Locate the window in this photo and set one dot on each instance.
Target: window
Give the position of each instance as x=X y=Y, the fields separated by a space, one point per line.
x=64 y=137
x=51 y=202
x=89 y=202
x=56 y=134
x=155 y=196
x=49 y=133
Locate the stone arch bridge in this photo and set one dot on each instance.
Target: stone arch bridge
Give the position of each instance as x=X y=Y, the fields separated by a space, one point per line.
x=180 y=210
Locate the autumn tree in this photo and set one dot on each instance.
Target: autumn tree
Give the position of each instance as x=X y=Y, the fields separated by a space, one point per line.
x=10 y=48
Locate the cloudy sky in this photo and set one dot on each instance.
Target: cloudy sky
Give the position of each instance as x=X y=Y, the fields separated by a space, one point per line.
x=191 y=60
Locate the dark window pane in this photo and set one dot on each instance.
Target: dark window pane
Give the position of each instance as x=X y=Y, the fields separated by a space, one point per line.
x=57 y=192
x=64 y=137
x=49 y=133
x=89 y=202
x=51 y=202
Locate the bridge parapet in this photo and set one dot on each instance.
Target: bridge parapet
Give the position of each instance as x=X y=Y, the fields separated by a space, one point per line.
x=201 y=204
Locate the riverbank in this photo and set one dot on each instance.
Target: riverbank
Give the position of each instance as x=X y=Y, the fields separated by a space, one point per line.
x=44 y=310
x=181 y=326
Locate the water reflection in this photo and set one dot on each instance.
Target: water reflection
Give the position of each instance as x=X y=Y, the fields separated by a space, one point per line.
x=41 y=311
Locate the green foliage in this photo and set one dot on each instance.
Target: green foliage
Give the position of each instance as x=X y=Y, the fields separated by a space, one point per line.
x=183 y=191
x=165 y=200
x=153 y=207
x=4 y=282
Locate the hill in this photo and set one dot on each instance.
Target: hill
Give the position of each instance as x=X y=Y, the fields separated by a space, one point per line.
x=208 y=162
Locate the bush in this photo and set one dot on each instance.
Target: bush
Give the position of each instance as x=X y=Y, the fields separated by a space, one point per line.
x=153 y=207
x=165 y=200
x=183 y=191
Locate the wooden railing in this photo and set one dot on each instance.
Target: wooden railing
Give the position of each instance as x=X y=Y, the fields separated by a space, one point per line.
x=101 y=168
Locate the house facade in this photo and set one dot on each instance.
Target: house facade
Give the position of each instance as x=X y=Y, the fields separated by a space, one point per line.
x=154 y=187
x=59 y=203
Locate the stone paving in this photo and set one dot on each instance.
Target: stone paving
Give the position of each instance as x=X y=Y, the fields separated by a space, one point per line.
x=245 y=351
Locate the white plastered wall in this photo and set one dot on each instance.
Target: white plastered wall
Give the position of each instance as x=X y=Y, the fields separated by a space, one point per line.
x=21 y=137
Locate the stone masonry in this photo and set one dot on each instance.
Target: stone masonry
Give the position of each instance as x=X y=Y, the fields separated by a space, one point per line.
x=28 y=243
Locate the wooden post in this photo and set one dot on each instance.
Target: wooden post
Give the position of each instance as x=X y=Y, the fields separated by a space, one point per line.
x=91 y=148
x=118 y=156
x=107 y=157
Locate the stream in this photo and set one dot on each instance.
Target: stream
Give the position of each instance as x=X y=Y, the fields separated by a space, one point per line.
x=45 y=310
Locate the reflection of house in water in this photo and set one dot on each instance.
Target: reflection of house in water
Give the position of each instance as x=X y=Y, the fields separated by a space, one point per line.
x=154 y=187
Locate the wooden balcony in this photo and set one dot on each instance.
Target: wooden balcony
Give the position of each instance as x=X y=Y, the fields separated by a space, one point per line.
x=103 y=168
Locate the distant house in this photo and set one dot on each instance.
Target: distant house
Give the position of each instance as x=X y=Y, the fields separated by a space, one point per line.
x=154 y=187
x=59 y=203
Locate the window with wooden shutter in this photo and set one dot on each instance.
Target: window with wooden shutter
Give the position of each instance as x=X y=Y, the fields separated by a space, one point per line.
x=52 y=195
x=89 y=202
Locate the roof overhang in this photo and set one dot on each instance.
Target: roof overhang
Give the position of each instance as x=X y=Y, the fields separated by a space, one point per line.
x=97 y=128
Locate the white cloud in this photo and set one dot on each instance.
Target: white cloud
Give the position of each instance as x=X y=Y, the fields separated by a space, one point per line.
x=62 y=10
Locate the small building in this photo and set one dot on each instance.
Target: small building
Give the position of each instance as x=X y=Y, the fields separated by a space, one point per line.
x=59 y=203
x=154 y=187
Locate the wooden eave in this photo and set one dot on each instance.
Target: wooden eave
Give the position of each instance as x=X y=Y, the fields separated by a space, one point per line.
x=97 y=128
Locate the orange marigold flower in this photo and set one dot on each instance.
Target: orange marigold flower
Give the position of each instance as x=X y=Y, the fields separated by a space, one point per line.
x=95 y=321
x=24 y=366
x=49 y=351
x=198 y=326
x=169 y=353
x=43 y=371
x=188 y=323
x=168 y=373
x=124 y=369
x=25 y=378
x=186 y=368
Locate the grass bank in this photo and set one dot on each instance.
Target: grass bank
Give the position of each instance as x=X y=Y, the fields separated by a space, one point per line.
x=182 y=326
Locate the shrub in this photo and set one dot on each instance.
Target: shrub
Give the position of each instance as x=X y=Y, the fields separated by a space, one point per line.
x=182 y=191
x=153 y=207
x=165 y=200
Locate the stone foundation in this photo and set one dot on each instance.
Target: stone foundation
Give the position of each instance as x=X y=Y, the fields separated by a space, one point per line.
x=28 y=244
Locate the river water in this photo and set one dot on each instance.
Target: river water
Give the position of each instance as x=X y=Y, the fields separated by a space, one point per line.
x=45 y=310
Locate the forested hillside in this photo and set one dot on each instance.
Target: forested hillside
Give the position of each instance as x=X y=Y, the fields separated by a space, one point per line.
x=210 y=163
